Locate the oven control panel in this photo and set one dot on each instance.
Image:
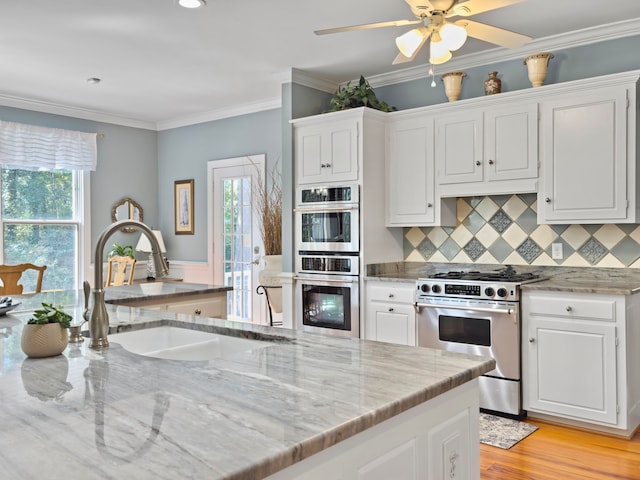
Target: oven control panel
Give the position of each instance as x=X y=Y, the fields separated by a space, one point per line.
x=467 y=289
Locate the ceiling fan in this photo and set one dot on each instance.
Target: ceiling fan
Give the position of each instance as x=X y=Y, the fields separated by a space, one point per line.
x=445 y=36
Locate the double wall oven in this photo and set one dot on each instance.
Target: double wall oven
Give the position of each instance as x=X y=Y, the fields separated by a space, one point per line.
x=327 y=223
x=478 y=313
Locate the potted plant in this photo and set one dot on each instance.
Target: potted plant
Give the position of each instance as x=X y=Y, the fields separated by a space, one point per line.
x=361 y=95
x=46 y=334
x=120 y=251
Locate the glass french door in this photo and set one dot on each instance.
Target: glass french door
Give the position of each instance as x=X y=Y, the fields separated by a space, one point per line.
x=237 y=245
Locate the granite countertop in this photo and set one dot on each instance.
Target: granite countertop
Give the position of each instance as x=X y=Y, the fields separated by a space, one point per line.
x=612 y=281
x=159 y=291
x=113 y=414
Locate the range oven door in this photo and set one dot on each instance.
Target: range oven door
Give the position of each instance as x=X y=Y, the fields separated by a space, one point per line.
x=479 y=328
x=328 y=304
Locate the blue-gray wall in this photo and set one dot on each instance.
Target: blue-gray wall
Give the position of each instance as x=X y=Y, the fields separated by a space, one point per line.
x=183 y=154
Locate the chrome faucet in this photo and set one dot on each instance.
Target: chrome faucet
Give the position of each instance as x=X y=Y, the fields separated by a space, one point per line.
x=99 y=321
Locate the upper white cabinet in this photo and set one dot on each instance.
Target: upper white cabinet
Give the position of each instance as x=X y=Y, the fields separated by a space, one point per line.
x=588 y=150
x=488 y=151
x=327 y=151
x=410 y=176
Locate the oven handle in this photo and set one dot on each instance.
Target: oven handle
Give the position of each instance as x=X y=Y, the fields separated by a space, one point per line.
x=508 y=311
x=328 y=280
x=326 y=209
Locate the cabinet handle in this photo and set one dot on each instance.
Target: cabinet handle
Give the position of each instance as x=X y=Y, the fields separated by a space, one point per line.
x=391 y=309
x=547 y=200
x=491 y=162
x=569 y=308
x=198 y=311
x=477 y=163
x=532 y=340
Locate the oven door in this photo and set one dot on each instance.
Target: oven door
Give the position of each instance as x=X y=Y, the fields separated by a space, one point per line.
x=478 y=328
x=328 y=229
x=328 y=304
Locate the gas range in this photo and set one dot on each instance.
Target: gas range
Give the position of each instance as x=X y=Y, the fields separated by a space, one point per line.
x=500 y=284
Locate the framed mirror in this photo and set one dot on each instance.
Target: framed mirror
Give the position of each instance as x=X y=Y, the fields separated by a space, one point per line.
x=127 y=209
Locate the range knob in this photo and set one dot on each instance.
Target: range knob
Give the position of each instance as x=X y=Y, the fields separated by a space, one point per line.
x=436 y=289
x=425 y=288
x=502 y=292
x=489 y=292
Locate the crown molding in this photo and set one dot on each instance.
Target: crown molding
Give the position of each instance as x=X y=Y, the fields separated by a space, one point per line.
x=219 y=114
x=75 y=112
x=302 y=78
x=587 y=36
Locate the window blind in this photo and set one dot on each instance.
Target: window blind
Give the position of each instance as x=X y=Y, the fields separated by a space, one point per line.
x=33 y=147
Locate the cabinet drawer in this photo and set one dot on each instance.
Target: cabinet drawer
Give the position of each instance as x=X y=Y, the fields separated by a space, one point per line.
x=571 y=306
x=391 y=293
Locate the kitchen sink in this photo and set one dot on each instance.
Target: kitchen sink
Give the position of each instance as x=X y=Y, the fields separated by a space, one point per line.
x=173 y=343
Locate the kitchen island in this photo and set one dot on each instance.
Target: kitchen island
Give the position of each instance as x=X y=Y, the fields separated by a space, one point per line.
x=305 y=406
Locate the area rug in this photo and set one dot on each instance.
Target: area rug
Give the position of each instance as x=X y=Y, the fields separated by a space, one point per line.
x=503 y=432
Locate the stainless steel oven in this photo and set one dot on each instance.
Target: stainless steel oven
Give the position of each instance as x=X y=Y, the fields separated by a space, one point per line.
x=327 y=218
x=328 y=304
x=479 y=314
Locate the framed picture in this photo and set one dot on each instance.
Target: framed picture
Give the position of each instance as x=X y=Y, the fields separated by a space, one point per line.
x=183 y=204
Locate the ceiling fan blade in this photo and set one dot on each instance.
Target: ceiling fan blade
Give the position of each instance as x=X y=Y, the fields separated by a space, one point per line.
x=473 y=7
x=400 y=58
x=366 y=26
x=495 y=35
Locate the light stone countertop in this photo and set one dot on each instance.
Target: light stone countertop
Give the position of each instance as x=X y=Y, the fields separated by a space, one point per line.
x=611 y=281
x=113 y=414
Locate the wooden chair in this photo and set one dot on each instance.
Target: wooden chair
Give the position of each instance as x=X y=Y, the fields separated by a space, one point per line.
x=118 y=275
x=10 y=276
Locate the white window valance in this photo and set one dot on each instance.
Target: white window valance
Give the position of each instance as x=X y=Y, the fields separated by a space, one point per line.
x=31 y=147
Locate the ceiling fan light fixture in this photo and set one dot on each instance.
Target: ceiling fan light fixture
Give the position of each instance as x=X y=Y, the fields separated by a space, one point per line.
x=192 y=3
x=409 y=42
x=438 y=51
x=453 y=36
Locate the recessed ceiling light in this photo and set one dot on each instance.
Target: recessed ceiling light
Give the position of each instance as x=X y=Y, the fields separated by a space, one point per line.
x=192 y=3
x=93 y=80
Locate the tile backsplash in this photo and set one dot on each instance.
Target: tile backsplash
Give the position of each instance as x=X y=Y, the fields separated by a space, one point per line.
x=503 y=229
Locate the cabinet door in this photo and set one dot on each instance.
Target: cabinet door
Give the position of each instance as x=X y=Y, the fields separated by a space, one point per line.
x=570 y=369
x=327 y=152
x=459 y=147
x=392 y=323
x=584 y=157
x=511 y=142
x=410 y=173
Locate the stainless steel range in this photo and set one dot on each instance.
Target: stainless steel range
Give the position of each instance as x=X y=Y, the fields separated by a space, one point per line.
x=478 y=313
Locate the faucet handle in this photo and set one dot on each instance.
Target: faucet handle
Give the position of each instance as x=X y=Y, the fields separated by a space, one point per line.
x=87 y=292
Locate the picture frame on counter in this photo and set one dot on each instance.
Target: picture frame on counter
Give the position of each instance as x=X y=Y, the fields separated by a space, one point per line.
x=183 y=206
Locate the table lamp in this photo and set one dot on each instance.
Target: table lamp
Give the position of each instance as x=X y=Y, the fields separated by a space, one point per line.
x=144 y=245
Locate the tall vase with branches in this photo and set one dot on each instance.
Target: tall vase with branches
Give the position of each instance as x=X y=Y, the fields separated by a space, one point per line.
x=268 y=202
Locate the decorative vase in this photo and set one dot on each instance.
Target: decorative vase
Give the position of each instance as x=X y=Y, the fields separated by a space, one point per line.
x=537 y=67
x=453 y=84
x=269 y=276
x=45 y=340
x=493 y=84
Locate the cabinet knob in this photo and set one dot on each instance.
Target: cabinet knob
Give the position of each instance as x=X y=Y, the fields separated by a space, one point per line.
x=391 y=295
x=569 y=308
x=547 y=200
x=477 y=163
x=532 y=340
x=391 y=309
x=198 y=311
x=429 y=205
x=491 y=162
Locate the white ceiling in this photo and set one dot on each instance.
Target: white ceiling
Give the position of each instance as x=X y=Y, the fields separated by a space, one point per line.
x=160 y=63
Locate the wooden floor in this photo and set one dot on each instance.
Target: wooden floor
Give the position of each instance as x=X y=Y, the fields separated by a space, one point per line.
x=554 y=452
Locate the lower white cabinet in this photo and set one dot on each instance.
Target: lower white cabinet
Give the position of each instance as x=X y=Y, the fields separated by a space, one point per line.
x=576 y=360
x=389 y=312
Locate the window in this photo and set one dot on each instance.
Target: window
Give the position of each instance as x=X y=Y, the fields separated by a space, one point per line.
x=42 y=223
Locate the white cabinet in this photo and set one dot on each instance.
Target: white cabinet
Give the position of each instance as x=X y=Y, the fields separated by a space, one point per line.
x=410 y=176
x=389 y=313
x=575 y=358
x=488 y=151
x=588 y=152
x=327 y=151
